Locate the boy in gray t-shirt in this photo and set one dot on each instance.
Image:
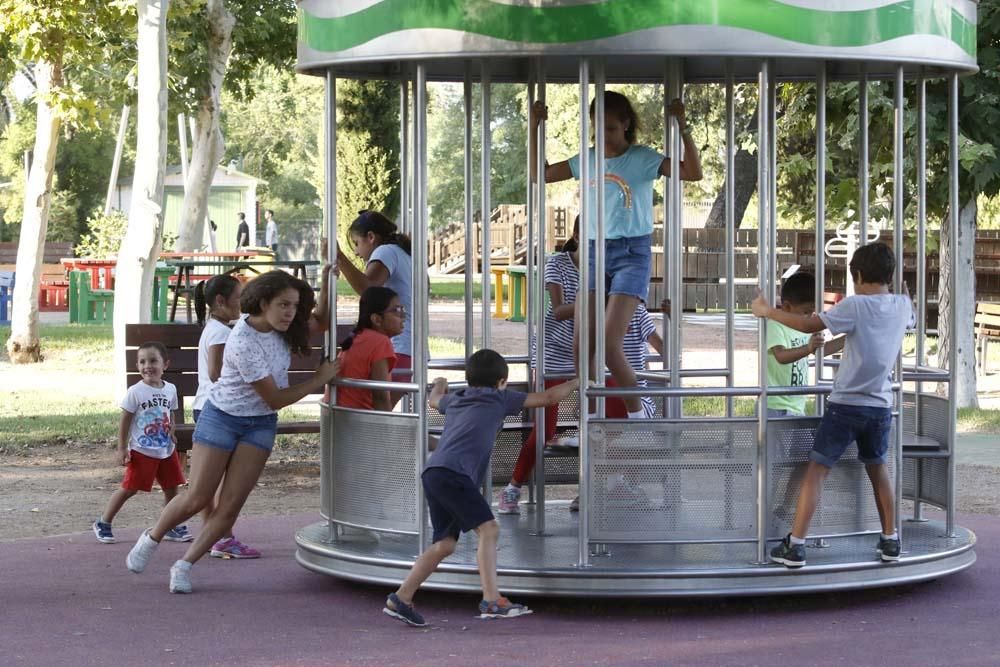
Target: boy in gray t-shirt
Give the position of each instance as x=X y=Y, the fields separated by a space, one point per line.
x=860 y=406
x=451 y=479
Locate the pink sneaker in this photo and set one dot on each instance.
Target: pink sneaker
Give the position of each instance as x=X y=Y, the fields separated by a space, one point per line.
x=507 y=502
x=233 y=548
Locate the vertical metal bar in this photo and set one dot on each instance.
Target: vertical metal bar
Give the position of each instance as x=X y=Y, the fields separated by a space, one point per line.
x=863 y=176
x=898 y=185
x=470 y=236
x=674 y=239
x=953 y=213
x=730 y=233
x=484 y=192
x=535 y=369
x=600 y=301
x=420 y=317
x=820 y=251
x=406 y=221
x=764 y=277
x=772 y=189
x=330 y=225
x=921 y=285
x=539 y=307
x=583 y=557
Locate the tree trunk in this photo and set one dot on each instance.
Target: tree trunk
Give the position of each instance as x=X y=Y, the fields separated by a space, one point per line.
x=141 y=246
x=963 y=377
x=23 y=346
x=745 y=170
x=208 y=142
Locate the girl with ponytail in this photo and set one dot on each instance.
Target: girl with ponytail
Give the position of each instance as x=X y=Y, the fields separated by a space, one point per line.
x=367 y=353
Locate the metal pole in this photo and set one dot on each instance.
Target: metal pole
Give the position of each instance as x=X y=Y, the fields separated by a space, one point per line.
x=600 y=301
x=119 y=145
x=772 y=190
x=583 y=557
x=420 y=319
x=470 y=237
x=863 y=158
x=898 y=186
x=730 y=233
x=674 y=86
x=535 y=370
x=764 y=278
x=484 y=191
x=330 y=224
x=539 y=308
x=820 y=251
x=953 y=214
x=921 y=285
x=406 y=221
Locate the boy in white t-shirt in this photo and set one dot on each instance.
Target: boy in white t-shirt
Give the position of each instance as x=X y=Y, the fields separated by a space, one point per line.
x=146 y=441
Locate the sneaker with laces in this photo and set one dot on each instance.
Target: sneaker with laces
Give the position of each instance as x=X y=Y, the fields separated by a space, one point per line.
x=404 y=612
x=233 y=548
x=501 y=608
x=574 y=505
x=180 y=577
x=140 y=554
x=509 y=497
x=178 y=534
x=888 y=550
x=103 y=532
x=788 y=554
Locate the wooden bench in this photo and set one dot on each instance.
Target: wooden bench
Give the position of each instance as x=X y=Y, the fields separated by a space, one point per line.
x=181 y=341
x=987 y=324
x=6 y=296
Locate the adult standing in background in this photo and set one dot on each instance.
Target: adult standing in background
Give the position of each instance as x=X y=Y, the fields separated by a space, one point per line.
x=213 y=243
x=271 y=232
x=242 y=232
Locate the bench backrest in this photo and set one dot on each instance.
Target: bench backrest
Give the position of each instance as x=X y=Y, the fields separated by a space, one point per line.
x=181 y=341
x=52 y=252
x=988 y=318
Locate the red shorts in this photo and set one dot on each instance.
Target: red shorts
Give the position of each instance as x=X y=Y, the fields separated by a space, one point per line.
x=142 y=470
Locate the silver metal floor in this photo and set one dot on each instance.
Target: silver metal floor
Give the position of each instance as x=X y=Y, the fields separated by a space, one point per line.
x=547 y=565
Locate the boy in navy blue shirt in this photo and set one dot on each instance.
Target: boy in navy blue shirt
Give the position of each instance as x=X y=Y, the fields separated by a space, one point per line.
x=455 y=471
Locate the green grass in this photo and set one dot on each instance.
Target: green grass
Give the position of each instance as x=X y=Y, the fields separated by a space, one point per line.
x=443 y=289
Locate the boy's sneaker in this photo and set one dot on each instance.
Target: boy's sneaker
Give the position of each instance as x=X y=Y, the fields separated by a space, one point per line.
x=568 y=442
x=103 y=532
x=140 y=554
x=233 y=548
x=406 y=613
x=788 y=554
x=888 y=550
x=574 y=505
x=180 y=577
x=509 y=497
x=502 y=608
x=178 y=534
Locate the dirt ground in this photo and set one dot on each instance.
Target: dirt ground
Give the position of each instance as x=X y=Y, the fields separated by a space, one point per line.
x=61 y=488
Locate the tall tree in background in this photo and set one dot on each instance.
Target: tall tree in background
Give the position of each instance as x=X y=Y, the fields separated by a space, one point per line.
x=140 y=248
x=58 y=37
x=253 y=31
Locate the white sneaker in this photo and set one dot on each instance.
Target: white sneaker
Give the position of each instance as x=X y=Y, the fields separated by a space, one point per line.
x=140 y=554
x=509 y=497
x=569 y=442
x=180 y=577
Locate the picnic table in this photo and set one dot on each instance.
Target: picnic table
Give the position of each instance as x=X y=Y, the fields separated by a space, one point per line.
x=102 y=271
x=186 y=268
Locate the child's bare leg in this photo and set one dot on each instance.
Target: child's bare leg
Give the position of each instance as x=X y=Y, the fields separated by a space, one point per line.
x=620 y=309
x=486 y=558
x=206 y=514
x=115 y=503
x=884 y=497
x=182 y=459
x=809 y=494
x=168 y=494
x=424 y=567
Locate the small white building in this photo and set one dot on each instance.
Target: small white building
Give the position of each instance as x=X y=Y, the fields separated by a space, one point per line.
x=232 y=192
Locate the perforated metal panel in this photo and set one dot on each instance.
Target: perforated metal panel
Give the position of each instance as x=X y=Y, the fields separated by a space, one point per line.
x=847 y=504
x=656 y=480
x=372 y=468
x=926 y=480
x=325 y=461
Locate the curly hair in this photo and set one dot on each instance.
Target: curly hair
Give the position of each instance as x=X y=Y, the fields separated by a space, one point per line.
x=267 y=286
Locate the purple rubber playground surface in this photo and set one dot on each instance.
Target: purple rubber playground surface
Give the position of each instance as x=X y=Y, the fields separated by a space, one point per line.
x=70 y=601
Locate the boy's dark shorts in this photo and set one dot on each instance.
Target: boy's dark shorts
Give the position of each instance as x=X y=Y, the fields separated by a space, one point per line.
x=455 y=503
x=843 y=424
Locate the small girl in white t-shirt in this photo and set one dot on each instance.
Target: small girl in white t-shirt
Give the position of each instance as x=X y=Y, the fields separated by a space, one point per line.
x=219 y=300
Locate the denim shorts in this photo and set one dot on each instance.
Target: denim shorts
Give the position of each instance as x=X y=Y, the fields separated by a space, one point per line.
x=843 y=424
x=222 y=430
x=455 y=503
x=627 y=265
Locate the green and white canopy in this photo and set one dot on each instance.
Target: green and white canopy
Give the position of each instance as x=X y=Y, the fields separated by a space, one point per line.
x=376 y=38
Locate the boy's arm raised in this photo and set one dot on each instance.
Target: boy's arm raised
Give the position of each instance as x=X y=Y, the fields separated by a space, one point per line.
x=552 y=395
x=804 y=323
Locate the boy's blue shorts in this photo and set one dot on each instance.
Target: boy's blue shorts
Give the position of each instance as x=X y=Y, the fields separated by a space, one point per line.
x=628 y=262
x=843 y=424
x=455 y=503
